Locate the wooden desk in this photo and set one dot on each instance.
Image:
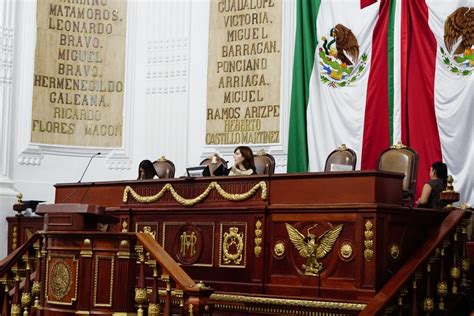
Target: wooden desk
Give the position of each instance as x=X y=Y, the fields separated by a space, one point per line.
x=243 y=246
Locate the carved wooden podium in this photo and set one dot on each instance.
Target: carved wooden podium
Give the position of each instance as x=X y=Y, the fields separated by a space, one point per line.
x=73 y=216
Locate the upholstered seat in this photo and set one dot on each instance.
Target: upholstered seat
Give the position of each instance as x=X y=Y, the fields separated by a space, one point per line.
x=341 y=159
x=264 y=163
x=402 y=159
x=215 y=163
x=164 y=168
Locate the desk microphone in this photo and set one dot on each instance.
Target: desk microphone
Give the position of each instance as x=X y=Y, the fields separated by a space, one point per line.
x=92 y=157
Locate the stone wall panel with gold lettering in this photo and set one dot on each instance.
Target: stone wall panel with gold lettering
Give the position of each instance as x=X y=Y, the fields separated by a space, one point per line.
x=79 y=72
x=243 y=94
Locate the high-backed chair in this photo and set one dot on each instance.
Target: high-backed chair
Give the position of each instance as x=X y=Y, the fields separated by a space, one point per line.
x=402 y=159
x=215 y=162
x=164 y=168
x=264 y=163
x=341 y=159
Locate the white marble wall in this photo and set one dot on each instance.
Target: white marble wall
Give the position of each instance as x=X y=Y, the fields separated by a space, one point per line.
x=164 y=106
x=7 y=38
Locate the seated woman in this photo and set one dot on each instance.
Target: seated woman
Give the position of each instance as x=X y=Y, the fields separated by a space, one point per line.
x=243 y=162
x=146 y=170
x=431 y=190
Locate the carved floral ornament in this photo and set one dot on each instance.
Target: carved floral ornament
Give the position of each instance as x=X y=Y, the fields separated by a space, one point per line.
x=190 y=202
x=236 y=239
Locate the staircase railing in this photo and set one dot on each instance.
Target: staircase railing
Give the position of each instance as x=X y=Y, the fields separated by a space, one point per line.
x=20 y=278
x=195 y=296
x=434 y=280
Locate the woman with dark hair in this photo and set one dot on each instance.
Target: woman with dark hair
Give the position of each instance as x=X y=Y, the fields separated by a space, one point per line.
x=243 y=162
x=146 y=170
x=438 y=180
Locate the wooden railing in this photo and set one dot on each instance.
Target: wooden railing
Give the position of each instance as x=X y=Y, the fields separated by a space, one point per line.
x=434 y=280
x=195 y=296
x=20 y=278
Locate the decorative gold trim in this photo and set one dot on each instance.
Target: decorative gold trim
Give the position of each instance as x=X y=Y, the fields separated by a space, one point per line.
x=233 y=237
x=76 y=262
x=346 y=250
x=369 y=241
x=197 y=224
x=279 y=249
x=147 y=227
x=86 y=253
x=124 y=225
x=19 y=199
x=36 y=291
x=190 y=202
x=15 y=310
x=153 y=309
x=26 y=299
x=342 y=147
x=398 y=145
x=225 y=258
x=428 y=305
x=81 y=312
x=96 y=278
x=312 y=247
x=285 y=302
x=258 y=239
x=124 y=252
x=394 y=251
x=141 y=297
x=14 y=237
x=124 y=314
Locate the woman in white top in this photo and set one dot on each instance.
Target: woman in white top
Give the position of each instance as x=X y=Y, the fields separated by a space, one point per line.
x=243 y=162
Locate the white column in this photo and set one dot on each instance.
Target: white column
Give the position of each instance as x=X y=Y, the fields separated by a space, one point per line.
x=7 y=192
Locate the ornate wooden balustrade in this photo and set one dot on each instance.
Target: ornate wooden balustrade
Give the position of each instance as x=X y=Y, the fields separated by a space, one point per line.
x=435 y=280
x=20 y=278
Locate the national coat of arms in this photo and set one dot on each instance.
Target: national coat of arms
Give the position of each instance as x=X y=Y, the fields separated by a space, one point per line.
x=459 y=41
x=312 y=248
x=339 y=58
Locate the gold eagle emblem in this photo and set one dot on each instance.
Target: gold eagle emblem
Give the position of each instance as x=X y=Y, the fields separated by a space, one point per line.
x=312 y=248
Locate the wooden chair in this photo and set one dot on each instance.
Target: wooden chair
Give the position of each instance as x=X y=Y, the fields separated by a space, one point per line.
x=214 y=162
x=402 y=159
x=264 y=163
x=341 y=159
x=164 y=168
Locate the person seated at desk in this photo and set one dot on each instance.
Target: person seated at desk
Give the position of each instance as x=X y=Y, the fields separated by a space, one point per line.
x=146 y=170
x=243 y=164
x=430 y=195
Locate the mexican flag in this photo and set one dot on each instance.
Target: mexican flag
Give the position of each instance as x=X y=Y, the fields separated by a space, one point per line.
x=340 y=82
x=406 y=84
x=437 y=94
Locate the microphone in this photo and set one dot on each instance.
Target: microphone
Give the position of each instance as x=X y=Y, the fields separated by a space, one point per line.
x=87 y=167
